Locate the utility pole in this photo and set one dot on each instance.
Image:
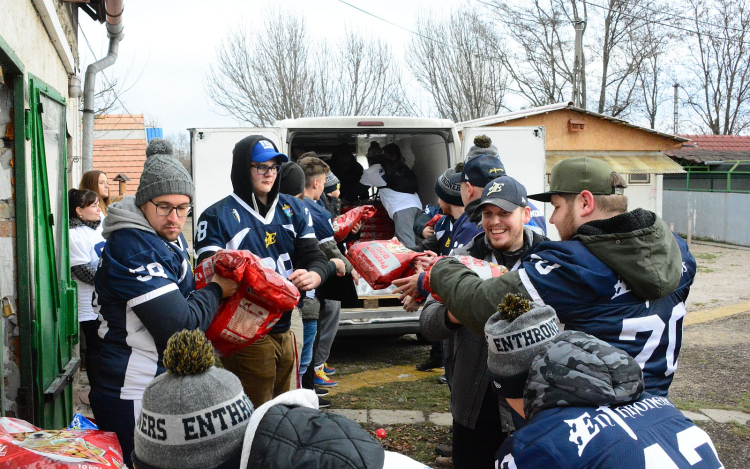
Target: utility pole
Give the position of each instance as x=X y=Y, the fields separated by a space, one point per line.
x=578 y=60
x=676 y=120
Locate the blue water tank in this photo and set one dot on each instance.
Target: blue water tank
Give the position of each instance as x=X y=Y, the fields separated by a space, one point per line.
x=152 y=133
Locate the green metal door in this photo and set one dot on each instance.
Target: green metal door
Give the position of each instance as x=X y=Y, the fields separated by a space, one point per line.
x=54 y=317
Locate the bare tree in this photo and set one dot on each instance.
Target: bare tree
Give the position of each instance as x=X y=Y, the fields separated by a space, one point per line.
x=360 y=77
x=720 y=93
x=540 y=57
x=457 y=61
x=654 y=43
x=264 y=76
x=181 y=147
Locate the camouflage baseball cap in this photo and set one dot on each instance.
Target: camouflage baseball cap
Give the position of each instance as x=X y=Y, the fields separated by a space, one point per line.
x=573 y=175
x=580 y=370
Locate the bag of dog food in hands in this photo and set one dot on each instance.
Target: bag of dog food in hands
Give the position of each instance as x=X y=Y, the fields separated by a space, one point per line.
x=344 y=223
x=248 y=315
x=381 y=262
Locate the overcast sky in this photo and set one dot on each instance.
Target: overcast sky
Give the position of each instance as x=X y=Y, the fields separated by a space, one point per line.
x=169 y=45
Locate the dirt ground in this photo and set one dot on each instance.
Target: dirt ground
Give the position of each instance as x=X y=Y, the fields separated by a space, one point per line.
x=723 y=277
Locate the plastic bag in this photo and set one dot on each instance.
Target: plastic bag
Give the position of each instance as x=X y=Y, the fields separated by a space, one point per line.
x=261 y=299
x=27 y=446
x=483 y=269
x=381 y=262
x=433 y=221
x=343 y=224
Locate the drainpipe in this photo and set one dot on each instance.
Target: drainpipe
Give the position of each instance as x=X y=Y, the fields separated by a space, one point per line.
x=114 y=31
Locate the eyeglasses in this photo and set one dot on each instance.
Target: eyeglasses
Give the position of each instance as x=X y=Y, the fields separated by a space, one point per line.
x=164 y=210
x=264 y=168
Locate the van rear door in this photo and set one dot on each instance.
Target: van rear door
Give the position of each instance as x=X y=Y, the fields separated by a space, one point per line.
x=211 y=155
x=522 y=151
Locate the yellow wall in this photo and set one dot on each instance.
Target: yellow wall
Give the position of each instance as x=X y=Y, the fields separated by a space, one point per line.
x=598 y=134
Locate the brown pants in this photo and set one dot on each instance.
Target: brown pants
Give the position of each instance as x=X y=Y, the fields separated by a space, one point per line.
x=265 y=367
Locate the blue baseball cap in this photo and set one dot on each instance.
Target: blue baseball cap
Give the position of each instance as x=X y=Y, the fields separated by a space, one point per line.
x=506 y=193
x=265 y=150
x=480 y=170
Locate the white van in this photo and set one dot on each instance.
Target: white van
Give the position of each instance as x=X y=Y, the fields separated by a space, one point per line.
x=429 y=146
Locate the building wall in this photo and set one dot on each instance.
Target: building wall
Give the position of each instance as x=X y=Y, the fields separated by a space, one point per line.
x=715 y=215
x=24 y=33
x=598 y=134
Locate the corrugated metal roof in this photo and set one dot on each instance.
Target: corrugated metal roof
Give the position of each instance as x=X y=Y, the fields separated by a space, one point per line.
x=630 y=164
x=499 y=118
x=152 y=133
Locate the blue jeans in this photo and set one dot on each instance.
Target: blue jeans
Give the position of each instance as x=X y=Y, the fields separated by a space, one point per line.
x=310 y=328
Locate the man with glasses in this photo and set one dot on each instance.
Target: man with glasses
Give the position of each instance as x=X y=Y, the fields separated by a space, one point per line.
x=145 y=291
x=279 y=229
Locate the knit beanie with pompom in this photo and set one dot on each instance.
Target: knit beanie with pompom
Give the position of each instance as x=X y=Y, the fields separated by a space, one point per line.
x=162 y=174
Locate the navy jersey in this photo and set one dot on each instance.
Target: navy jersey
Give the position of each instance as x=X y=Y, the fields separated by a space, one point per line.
x=464 y=231
x=537 y=218
x=141 y=285
x=232 y=224
x=322 y=221
x=443 y=233
x=647 y=434
x=590 y=297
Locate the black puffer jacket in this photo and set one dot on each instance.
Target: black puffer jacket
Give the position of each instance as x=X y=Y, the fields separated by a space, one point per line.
x=300 y=437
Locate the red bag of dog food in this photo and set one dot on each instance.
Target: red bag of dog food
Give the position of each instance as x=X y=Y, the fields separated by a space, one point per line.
x=483 y=269
x=24 y=445
x=261 y=299
x=433 y=221
x=381 y=262
x=343 y=224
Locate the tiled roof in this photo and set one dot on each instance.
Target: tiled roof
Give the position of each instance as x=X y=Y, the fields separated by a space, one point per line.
x=119 y=122
x=703 y=148
x=720 y=142
x=120 y=155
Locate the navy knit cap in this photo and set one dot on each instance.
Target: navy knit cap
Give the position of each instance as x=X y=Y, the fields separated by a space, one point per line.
x=332 y=183
x=292 y=179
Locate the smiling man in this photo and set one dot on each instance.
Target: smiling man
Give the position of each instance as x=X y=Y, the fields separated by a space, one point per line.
x=145 y=291
x=481 y=421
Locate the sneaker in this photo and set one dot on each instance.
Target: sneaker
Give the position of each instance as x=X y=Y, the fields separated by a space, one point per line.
x=323 y=403
x=320 y=391
x=320 y=379
x=329 y=370
x=442 y=461
x=430 y=364
x=442 y=379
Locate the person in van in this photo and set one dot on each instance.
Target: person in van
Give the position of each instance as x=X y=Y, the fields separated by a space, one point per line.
x=344 y=165
x=399 y=196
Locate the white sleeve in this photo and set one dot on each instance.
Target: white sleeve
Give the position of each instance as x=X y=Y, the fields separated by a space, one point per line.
x=80 y=254
x=399 y=461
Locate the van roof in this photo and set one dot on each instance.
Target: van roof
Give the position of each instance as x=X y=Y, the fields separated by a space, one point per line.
x=354 y=121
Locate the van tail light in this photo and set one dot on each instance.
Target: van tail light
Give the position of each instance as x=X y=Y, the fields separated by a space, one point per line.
x=370 y=124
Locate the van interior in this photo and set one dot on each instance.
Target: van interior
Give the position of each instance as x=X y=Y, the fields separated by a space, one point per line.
x=427 y=153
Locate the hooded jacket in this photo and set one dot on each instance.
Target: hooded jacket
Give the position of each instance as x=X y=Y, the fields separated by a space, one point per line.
x=145 y=292
x=615 y=279
x=279 y=231
x=586 y=408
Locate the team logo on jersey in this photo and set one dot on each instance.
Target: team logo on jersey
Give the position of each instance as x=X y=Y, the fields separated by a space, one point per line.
x=270 y=238
x=620 y=288
x=496 y=170
x=496 y=187
x=448 y=243
x=288 y=210
x=236 y=215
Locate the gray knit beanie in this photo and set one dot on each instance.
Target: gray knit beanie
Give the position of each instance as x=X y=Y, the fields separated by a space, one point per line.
x=193 y=416
x=332 y=183
x=448 y=187
x=482 y=146
x=515 y=335
x=162 y=174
